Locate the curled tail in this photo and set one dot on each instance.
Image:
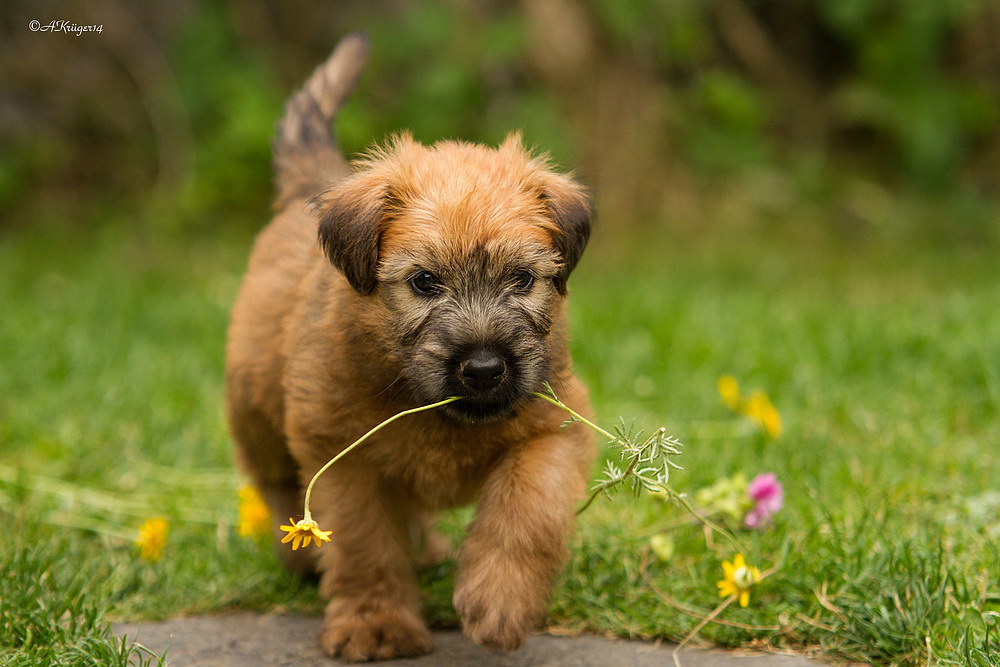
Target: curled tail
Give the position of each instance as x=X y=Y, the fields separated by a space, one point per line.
x=306 y=156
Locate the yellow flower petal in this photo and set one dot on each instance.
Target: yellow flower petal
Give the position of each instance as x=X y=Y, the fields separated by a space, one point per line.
x=760 y=409
x=304 y=532
x=771 y=422
x=726 y=589
x=152 y=538
x=740 y=578
x=254 y=516
x=729 y=390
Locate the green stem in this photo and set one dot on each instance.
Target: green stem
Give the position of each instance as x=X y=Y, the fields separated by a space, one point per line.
x=576 y=415
x=609 y=484
x=603 y=486
x=705 y=521
x=306 y=514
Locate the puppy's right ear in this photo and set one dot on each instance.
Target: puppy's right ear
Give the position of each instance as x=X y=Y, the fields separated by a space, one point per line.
x=569 y=206
x=350 y=226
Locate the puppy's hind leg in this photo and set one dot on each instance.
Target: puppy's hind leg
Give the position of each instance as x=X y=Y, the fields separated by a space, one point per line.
x=262 y=453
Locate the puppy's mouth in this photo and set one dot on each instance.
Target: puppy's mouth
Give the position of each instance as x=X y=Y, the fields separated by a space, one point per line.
x=471 y=410
x=487 y=379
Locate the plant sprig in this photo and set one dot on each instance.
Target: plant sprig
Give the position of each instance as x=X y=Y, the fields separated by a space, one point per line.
x=646 y=462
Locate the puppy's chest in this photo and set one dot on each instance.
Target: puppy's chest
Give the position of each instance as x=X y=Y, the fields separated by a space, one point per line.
x=437 y=474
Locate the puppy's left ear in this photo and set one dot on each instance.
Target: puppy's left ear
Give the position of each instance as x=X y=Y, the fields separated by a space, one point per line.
x=570 y=209
x=351 y=218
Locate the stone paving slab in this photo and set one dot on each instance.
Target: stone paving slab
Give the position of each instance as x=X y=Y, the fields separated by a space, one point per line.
x=253 y=640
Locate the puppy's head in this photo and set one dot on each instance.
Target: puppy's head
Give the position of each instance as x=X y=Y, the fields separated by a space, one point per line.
x=465 y=252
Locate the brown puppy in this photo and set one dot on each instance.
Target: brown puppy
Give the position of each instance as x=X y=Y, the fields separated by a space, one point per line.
x=425 y=273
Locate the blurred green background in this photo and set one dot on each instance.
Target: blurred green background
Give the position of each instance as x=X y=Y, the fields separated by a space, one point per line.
x=844 y=120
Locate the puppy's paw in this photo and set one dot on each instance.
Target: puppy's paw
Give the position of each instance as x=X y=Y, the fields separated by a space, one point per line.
x=499 y=621
x=358 y=631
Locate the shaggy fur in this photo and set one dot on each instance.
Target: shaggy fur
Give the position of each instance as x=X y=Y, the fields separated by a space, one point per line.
x=424 y=272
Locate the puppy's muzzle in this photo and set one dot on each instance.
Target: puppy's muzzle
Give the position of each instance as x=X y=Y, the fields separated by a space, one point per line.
x=481 y=371
x=487 y=381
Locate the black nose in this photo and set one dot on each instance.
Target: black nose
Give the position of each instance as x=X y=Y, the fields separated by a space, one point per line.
x=482 y=370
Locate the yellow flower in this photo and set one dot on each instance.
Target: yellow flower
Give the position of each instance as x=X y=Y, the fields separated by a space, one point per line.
x=757 y=406
x=740 y=578
x=729 y=390
x=304 y=531
x=152 y=538
x=255 y=519
x=760 y=409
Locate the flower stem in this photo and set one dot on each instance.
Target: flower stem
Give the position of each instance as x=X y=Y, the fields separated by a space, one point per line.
x=576 y=415
x=609 y=484
x=705 y=621
x=306 y=515
x=704 y=520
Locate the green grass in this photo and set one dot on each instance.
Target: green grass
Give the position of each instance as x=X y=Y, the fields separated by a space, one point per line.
x=883 y=361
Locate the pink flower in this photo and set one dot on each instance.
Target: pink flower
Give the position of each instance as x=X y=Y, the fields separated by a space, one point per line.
x=766 y=493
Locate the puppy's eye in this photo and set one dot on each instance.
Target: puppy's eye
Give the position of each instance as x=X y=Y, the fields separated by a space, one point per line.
x=523 y=281
x=425 y=282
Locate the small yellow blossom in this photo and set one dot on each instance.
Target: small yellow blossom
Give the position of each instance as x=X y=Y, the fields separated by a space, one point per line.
x=729 y=390
x=740 y=578
x=757 y=406
x=304 y=531
x=152 y=538
x=255 y=519
x=760 y=409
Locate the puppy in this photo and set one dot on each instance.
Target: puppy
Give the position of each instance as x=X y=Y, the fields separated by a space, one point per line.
x=423 y=272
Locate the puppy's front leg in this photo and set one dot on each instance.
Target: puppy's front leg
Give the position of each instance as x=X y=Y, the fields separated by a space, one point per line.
x=517 y=543
x=375 y=610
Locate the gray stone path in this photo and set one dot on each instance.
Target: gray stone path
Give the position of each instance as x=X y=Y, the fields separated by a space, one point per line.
x=253 y=640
